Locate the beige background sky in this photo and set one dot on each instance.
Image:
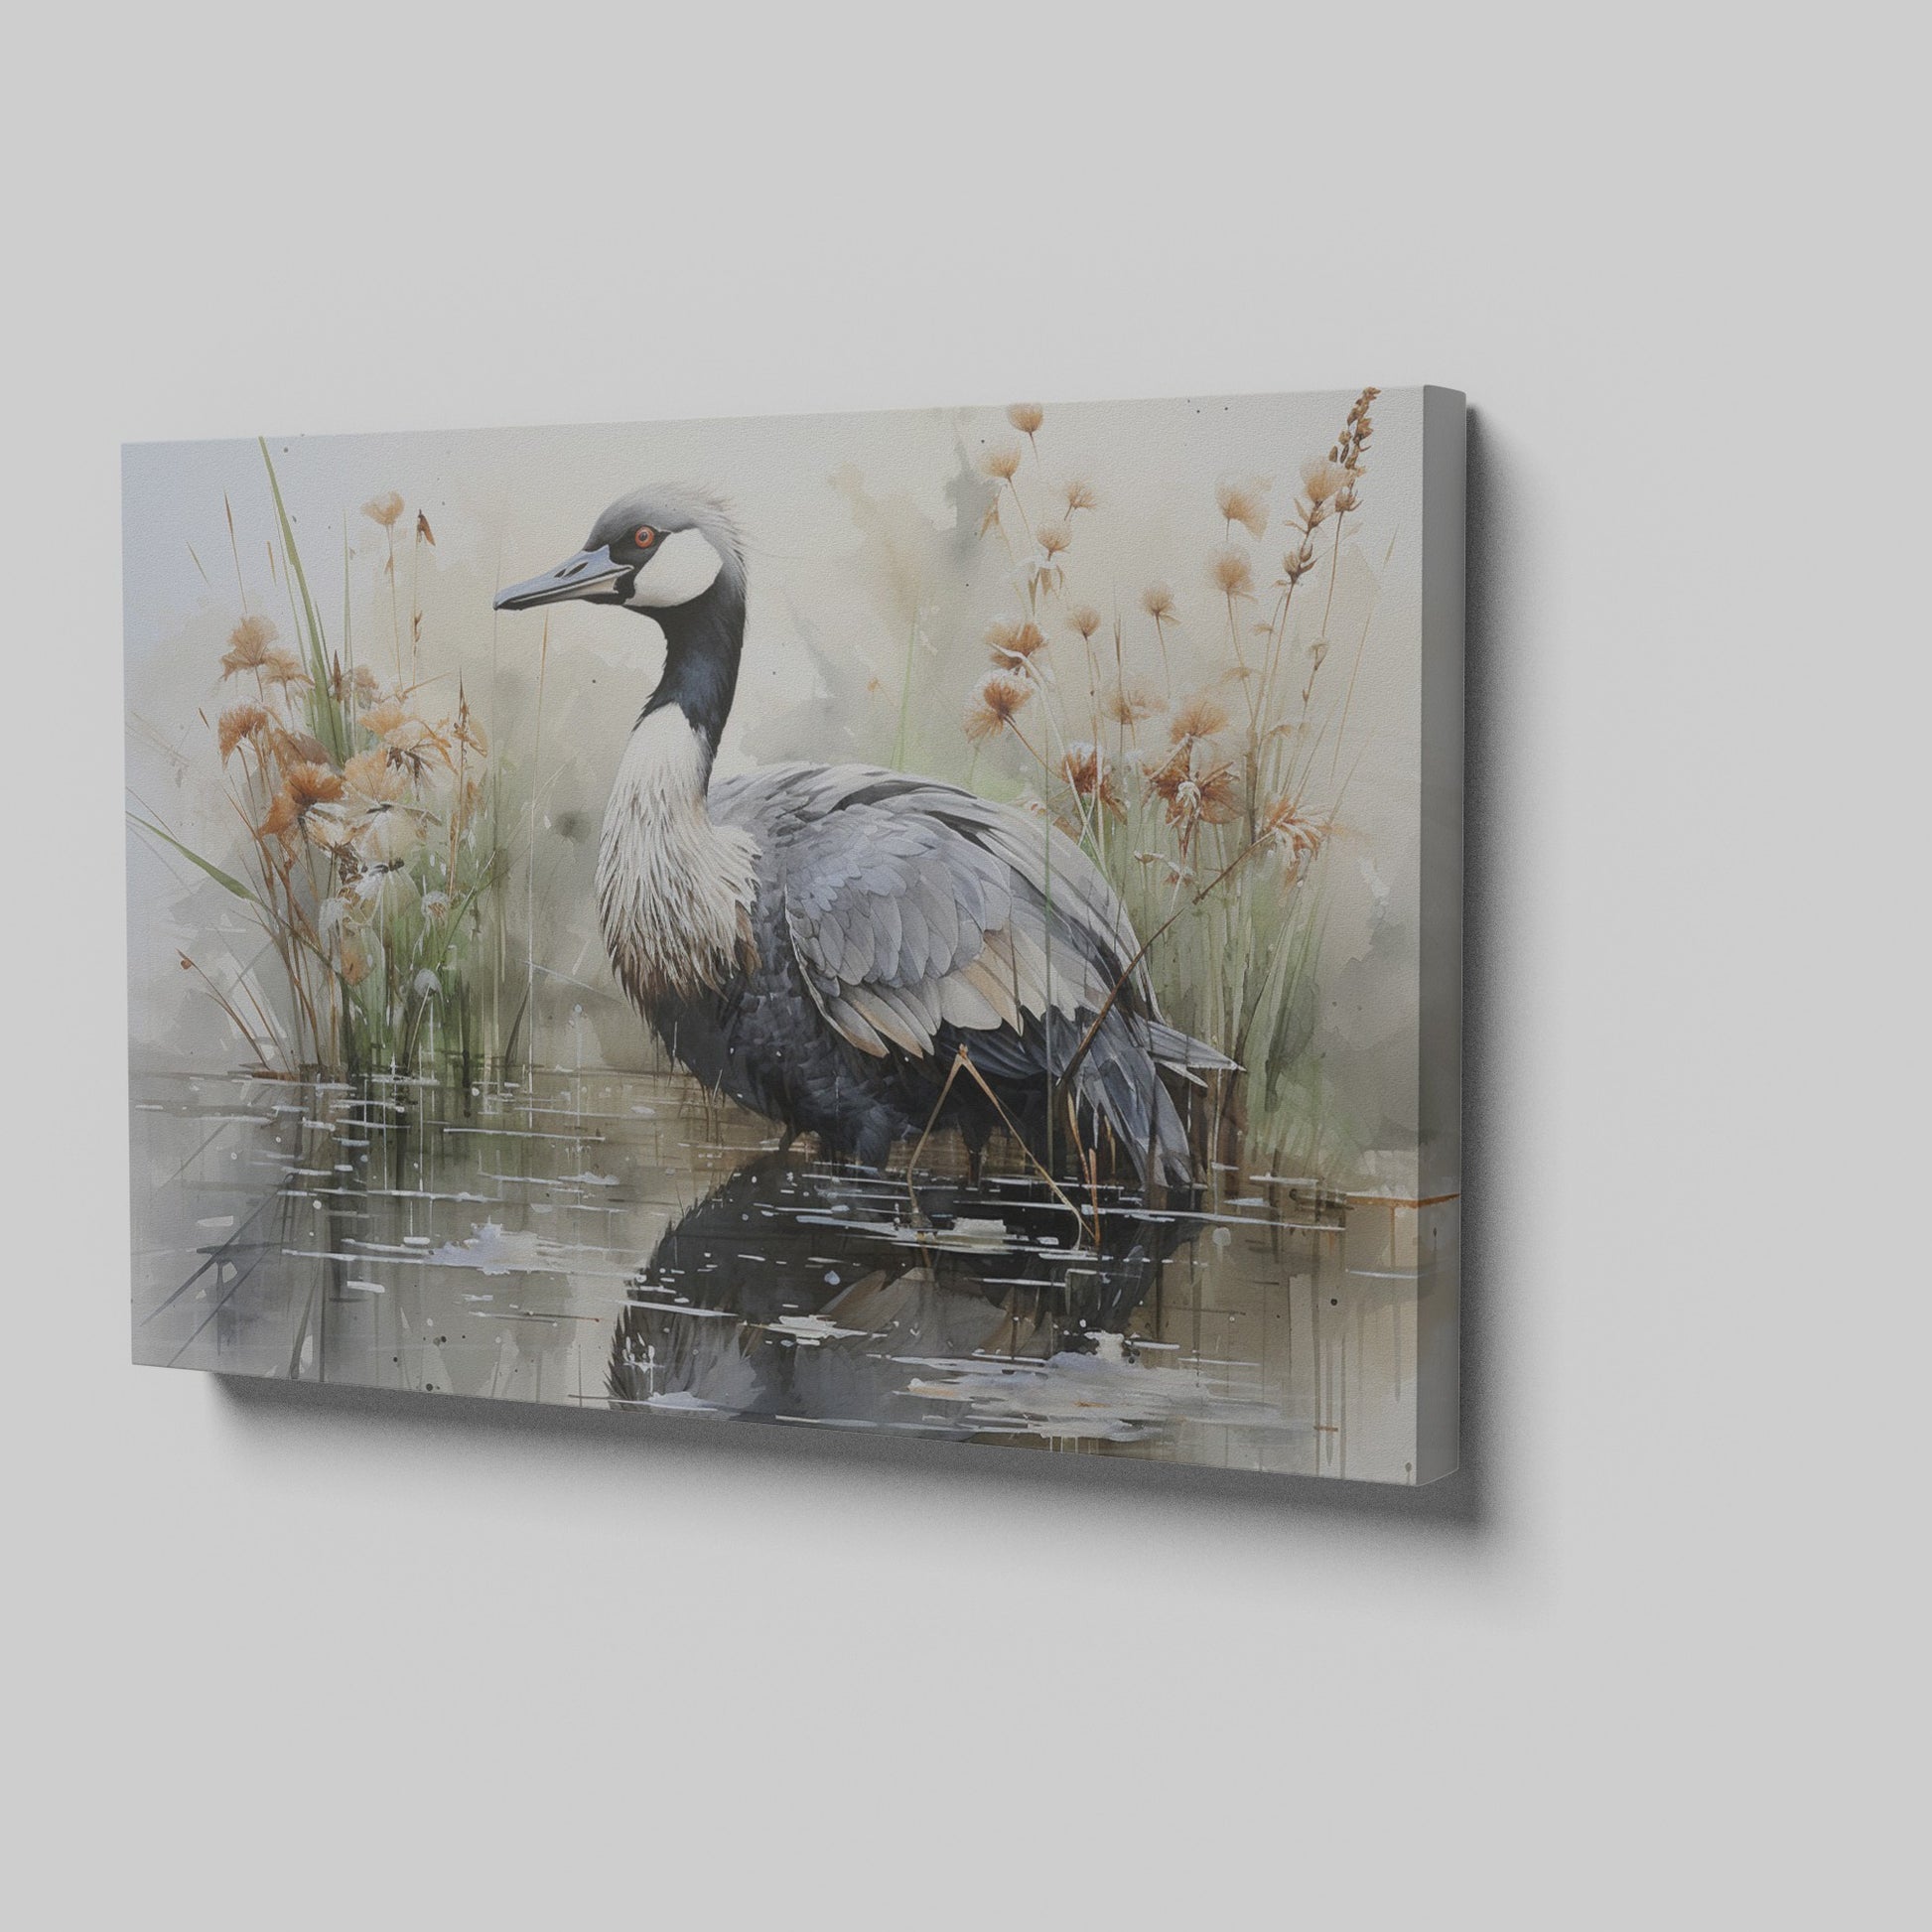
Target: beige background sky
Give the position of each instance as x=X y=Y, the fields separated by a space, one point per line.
x=854 y=526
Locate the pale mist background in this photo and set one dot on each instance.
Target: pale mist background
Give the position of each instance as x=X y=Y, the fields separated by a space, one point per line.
x=855 y=525
x=1655 y=1656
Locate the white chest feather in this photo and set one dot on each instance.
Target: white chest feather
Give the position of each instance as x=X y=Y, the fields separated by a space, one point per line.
x=674 y=892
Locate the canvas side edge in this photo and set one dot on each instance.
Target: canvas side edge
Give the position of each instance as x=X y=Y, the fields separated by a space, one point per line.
x=1444 y=571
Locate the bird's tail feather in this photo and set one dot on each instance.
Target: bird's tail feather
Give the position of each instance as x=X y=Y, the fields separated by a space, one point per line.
x=1185 y=1055
x=1120 y=1081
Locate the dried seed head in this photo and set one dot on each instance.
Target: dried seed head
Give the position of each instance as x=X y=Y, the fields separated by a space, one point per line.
x=1295 y=564
x=1077 y=495
x=1194 y=791
x=1158 y=601
x=415 y=745
x=996 y=699
x=1002 y=462
x=1084 y=768
x=1200 y=717
x=303 y=788
x=1015 y=639
x=385 y=509
x=1297 y=837
x=1321 y=479
x=1026 y=417
x=464 y=729
x=372 y=781
x=248 y=644
x=238 y=721
x=283 y=667
x=1221 y=795
x=1244 y=503
x=1054 y=538
x=1128 y=704
x=1230 y=572
x=1084 y=619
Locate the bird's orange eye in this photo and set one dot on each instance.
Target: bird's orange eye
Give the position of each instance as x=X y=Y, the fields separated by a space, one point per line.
x=645 y=538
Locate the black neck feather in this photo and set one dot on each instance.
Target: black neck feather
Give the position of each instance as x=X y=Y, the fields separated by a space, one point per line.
x=702 y=644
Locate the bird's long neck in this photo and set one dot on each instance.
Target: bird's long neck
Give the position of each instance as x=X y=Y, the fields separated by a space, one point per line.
x=703 y=641
x=674 y=888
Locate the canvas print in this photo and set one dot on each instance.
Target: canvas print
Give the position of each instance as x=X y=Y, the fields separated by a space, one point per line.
x=942 y=923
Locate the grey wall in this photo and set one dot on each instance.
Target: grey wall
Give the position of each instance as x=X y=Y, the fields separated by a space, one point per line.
x=295 y=1661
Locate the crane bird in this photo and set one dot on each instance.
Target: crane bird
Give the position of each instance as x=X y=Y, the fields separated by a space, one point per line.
x=821 y=942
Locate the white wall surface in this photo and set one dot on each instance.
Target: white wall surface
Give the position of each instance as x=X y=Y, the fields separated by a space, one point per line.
x=276 y=1662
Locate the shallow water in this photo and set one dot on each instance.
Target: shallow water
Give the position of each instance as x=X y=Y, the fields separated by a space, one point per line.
x=623 y=1240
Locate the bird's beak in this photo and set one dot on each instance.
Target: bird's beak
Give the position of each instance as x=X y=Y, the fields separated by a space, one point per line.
x=583 y=575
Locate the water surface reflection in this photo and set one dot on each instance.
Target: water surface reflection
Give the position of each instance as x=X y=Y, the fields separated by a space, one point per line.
x=613 y=1239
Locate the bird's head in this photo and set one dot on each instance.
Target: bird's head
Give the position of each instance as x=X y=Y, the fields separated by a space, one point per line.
x=653 y=551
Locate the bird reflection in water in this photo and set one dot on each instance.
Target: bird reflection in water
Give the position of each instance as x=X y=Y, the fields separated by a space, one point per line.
x=816 y=1292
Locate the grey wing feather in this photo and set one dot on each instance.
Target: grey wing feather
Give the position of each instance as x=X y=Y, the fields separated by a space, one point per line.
x=911 y=905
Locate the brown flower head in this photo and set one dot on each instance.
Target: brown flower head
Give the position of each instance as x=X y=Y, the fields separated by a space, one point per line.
x=356 y=687
x=1230 y=572
x=415 y=745
x=1086 y=769
x=1194 y=788
x=1295 y=564
x=1026 y=417
x=1077 y=495
x=1128 y=704
x=385 y=717
x=248 y=644
x=1244 y=503
x=1296 y=837
x=385 y=509
x=1200 y=717
x=1003 y=463
x=1083 y=620
x=1158 y=601
x=303 y=788
x=376 y=808
x=283 y=667
x=1221 y=795
x=238 y=721
x=1322 y=480
x=1054 y=538
x=997 y=700
x=1015 y=639
x=371 y=782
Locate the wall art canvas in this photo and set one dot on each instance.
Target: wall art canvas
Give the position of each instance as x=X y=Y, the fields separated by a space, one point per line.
x=941 y=925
